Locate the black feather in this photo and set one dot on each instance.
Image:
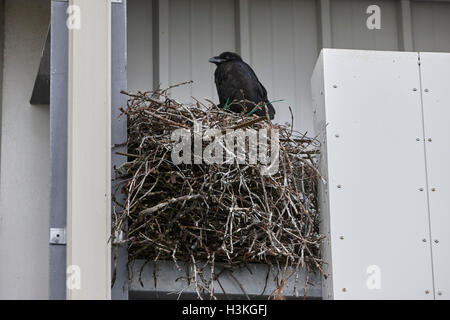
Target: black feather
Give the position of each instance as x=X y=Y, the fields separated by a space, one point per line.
x=235 y=80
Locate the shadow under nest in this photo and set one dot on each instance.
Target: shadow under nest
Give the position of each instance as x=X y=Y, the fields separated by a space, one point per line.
x=232 y=211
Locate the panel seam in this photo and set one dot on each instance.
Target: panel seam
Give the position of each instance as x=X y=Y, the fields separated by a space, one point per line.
x=426 y=174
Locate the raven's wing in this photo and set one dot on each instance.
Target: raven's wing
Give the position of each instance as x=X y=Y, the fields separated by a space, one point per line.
x=263 y=91
x=263 y=94
x=234 y=79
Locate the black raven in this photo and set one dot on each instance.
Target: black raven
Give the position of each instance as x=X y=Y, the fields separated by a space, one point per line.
x=236 y=81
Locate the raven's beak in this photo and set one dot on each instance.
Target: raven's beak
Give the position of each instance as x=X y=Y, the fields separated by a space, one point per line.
x=216 y=60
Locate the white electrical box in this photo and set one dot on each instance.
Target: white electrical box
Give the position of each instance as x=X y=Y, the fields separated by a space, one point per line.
x=383 y=119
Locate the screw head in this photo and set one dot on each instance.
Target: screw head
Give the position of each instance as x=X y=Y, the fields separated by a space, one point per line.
x=424 y=240
x=335 y=86
x=429 y=139
x=414 y=89
x=433 y=189
x=427 y=291
x=420 y=189
x=339 y=186
x=426 y=90
x=337 y=135
x=344 y=289
x=417 y=139
x=436 y=241
x=439 y=293
x=341 y=237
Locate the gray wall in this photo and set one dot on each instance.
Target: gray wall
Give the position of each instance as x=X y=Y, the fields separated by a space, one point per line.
x=140 y=38
x=2 y=32
x=283 y=51
x=431 y=26
x=24 y=188
x=349 y=30
x=285 y=38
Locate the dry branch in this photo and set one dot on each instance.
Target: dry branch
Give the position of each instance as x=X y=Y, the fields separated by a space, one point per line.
x=201 y=214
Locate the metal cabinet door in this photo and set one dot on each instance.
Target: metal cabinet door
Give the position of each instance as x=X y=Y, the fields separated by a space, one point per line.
x=435 y=74
x=377 y=213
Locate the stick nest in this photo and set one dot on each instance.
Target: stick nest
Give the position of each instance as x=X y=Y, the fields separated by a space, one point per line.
x=202 y=214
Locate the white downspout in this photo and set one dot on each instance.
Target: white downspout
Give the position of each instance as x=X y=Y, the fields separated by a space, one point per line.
x=89 y=150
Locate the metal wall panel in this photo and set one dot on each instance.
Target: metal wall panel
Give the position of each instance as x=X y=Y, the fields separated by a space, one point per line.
x=198 y=30
x=349 y=29
x=431 y=25
x=283 y=49
x=435 y=71
x=140 y=45
x=119 y=291
x=258 y=282
x=318 y=101
x=377 y=214
x=58 y=145
x=2 y=33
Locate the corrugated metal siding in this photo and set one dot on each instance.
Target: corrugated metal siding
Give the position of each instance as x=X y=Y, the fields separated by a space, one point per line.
x=198 y=30
x=284 y=39
x=283 y=50
x=140 y=45
x=2 y=32
x=431 y=26
x=349 y=29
